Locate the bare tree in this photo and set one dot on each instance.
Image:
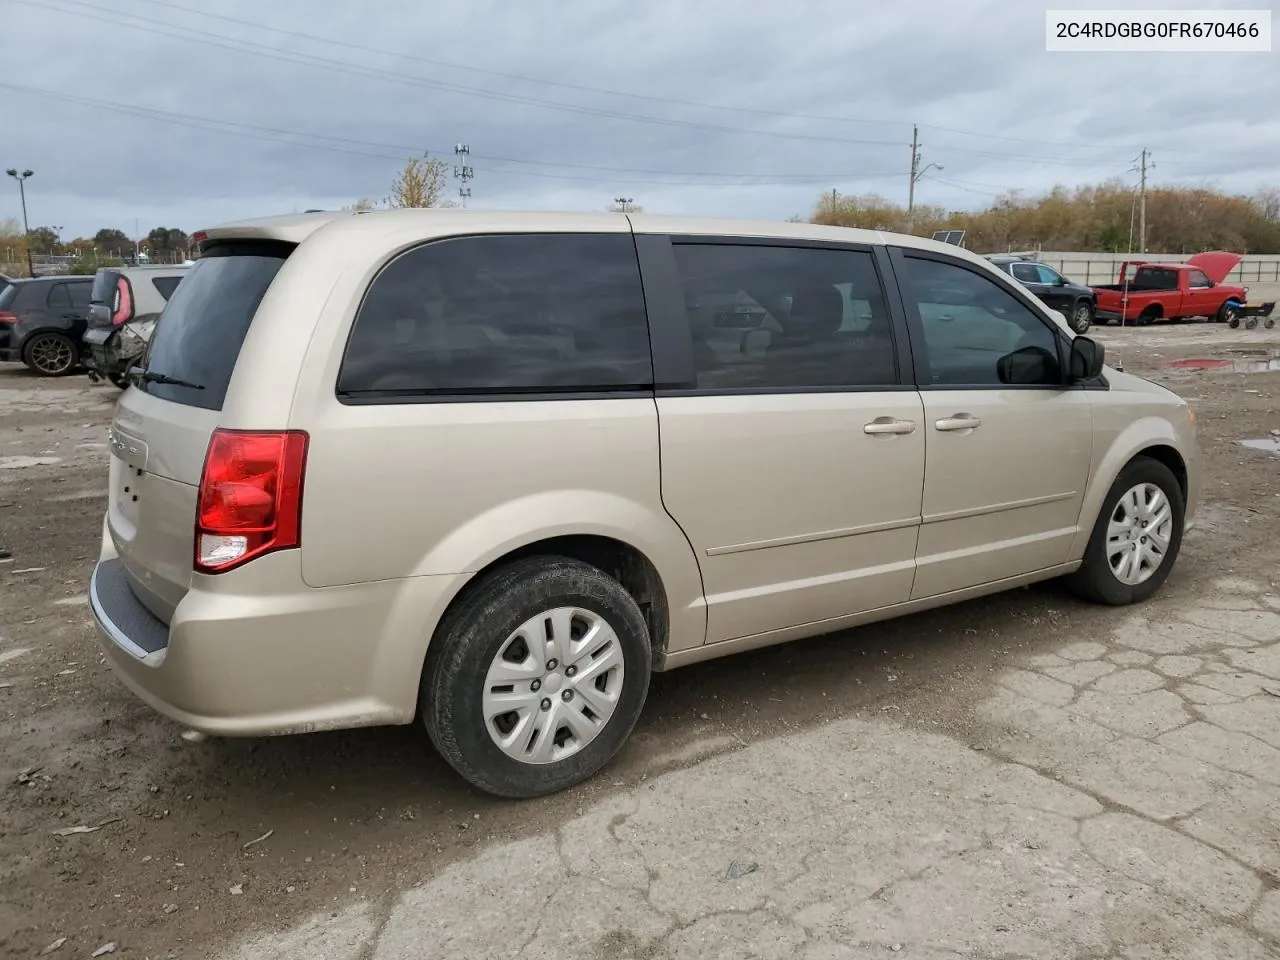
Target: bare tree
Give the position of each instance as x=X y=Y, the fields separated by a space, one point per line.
x=363 y=205
x=625 y=206
x=420 y=184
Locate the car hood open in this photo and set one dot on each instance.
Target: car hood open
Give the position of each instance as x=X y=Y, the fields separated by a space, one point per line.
x=1215 y=264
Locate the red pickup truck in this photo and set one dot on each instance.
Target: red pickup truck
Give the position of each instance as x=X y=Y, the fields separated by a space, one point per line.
x=1147 y=291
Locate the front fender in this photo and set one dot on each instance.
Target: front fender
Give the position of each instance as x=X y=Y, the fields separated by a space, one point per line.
x=1142 y=434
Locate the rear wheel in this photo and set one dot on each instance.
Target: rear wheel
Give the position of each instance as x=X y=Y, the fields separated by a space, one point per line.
x=1136 y=537
x=1082 y=316
x=1148 y=316
x=50 y=354
x=536 y=677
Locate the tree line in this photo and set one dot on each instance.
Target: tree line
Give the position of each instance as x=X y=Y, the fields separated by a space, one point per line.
x=1102 y=217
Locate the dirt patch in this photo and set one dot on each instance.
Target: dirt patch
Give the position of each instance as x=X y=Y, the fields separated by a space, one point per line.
x=168 y=867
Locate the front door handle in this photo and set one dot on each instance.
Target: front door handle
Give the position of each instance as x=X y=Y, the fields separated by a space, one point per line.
x=889 y=425
x=961 y=421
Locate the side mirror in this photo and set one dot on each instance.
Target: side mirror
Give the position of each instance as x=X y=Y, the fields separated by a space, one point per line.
x=1086 y=359
x=1028 y=366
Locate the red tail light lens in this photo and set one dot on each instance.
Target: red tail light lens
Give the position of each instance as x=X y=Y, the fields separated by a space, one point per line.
x=250 y=497
x=7 y=317
x=124 y=302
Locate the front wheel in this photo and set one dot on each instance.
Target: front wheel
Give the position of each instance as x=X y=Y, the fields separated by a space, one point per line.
x=536 y=677
x=1082 y=317
x=1136 y=538
x=1229 y=314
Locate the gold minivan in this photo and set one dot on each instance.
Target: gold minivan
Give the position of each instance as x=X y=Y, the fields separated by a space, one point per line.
x=492 y=470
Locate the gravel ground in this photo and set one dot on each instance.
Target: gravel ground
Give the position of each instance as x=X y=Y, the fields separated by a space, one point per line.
x=194 y=847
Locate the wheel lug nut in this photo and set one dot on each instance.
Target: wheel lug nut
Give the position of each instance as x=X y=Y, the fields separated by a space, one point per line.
x=552 y=664
x=535 y=686
x=570 y=671
x=546 y=703
x=567 y=695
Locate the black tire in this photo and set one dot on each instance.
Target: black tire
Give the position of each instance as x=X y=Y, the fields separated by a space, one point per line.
x=50 y=354
x=119 y=379
x=1095 y=580
x=1228 y=314
x=473 y=633
x=1269 y=322
x=1081 y=318
x=1148 y=317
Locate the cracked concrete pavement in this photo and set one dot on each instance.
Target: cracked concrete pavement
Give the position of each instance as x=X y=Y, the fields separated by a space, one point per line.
x=1121 y=803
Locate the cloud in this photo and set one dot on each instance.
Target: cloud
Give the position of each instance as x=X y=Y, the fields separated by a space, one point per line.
x=166 y=114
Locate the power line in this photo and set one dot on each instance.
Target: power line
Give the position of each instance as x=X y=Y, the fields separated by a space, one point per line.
x=196 y=35
x=338 y=66
x=587 y=88
x=280 y=135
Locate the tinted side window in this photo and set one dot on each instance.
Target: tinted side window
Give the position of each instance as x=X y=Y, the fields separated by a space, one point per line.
x=80 y=294
x=785 y=317
x=165 y=285
x=58 y=296
x=976 y=332
x=1197 y=279
x=1027 y=273
x=1047 y=274
x=503 y=314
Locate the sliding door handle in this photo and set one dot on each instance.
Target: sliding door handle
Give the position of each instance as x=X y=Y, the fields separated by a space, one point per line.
x=961 y=421
x=889 y=425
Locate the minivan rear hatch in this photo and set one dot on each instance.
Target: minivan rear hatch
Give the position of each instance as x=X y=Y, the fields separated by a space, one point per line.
x=163 y=423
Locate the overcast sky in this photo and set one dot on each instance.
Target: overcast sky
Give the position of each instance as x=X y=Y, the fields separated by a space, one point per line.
x=164 y=114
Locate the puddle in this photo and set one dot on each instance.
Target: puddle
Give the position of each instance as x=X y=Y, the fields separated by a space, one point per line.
x=1265 y=444
x=1238 y=365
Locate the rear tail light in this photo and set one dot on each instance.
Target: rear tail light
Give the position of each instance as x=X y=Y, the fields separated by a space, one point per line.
x=7 y=317
x=250 y=497
x=124 y=302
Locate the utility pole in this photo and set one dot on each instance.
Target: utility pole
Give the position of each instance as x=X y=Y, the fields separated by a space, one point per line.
x=913 y=177
x=463 y=171
x=26 y=229
x=1144 y=163
x=917 y=172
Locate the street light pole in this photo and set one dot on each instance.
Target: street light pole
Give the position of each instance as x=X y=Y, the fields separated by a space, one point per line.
x=26 y=229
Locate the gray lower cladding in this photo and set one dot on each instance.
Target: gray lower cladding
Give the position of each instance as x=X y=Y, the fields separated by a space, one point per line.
x=121 y=614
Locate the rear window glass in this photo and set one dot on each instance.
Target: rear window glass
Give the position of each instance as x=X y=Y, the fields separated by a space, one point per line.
x=502 y=314
x=203 y=326
x=1155 y=278
x=104 y=287
x=166 y=285
x=9 y=294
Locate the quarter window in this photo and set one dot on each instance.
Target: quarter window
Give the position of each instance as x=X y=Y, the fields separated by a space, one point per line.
x=768 y=317
x=165 y=285
x=58 y=296
x=978 y=333
x=503 y=314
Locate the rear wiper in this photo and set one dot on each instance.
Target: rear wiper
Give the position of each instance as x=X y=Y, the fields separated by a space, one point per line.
x=149 y=376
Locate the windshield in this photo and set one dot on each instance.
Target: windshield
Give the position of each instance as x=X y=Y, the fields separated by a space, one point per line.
x=199 y=334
